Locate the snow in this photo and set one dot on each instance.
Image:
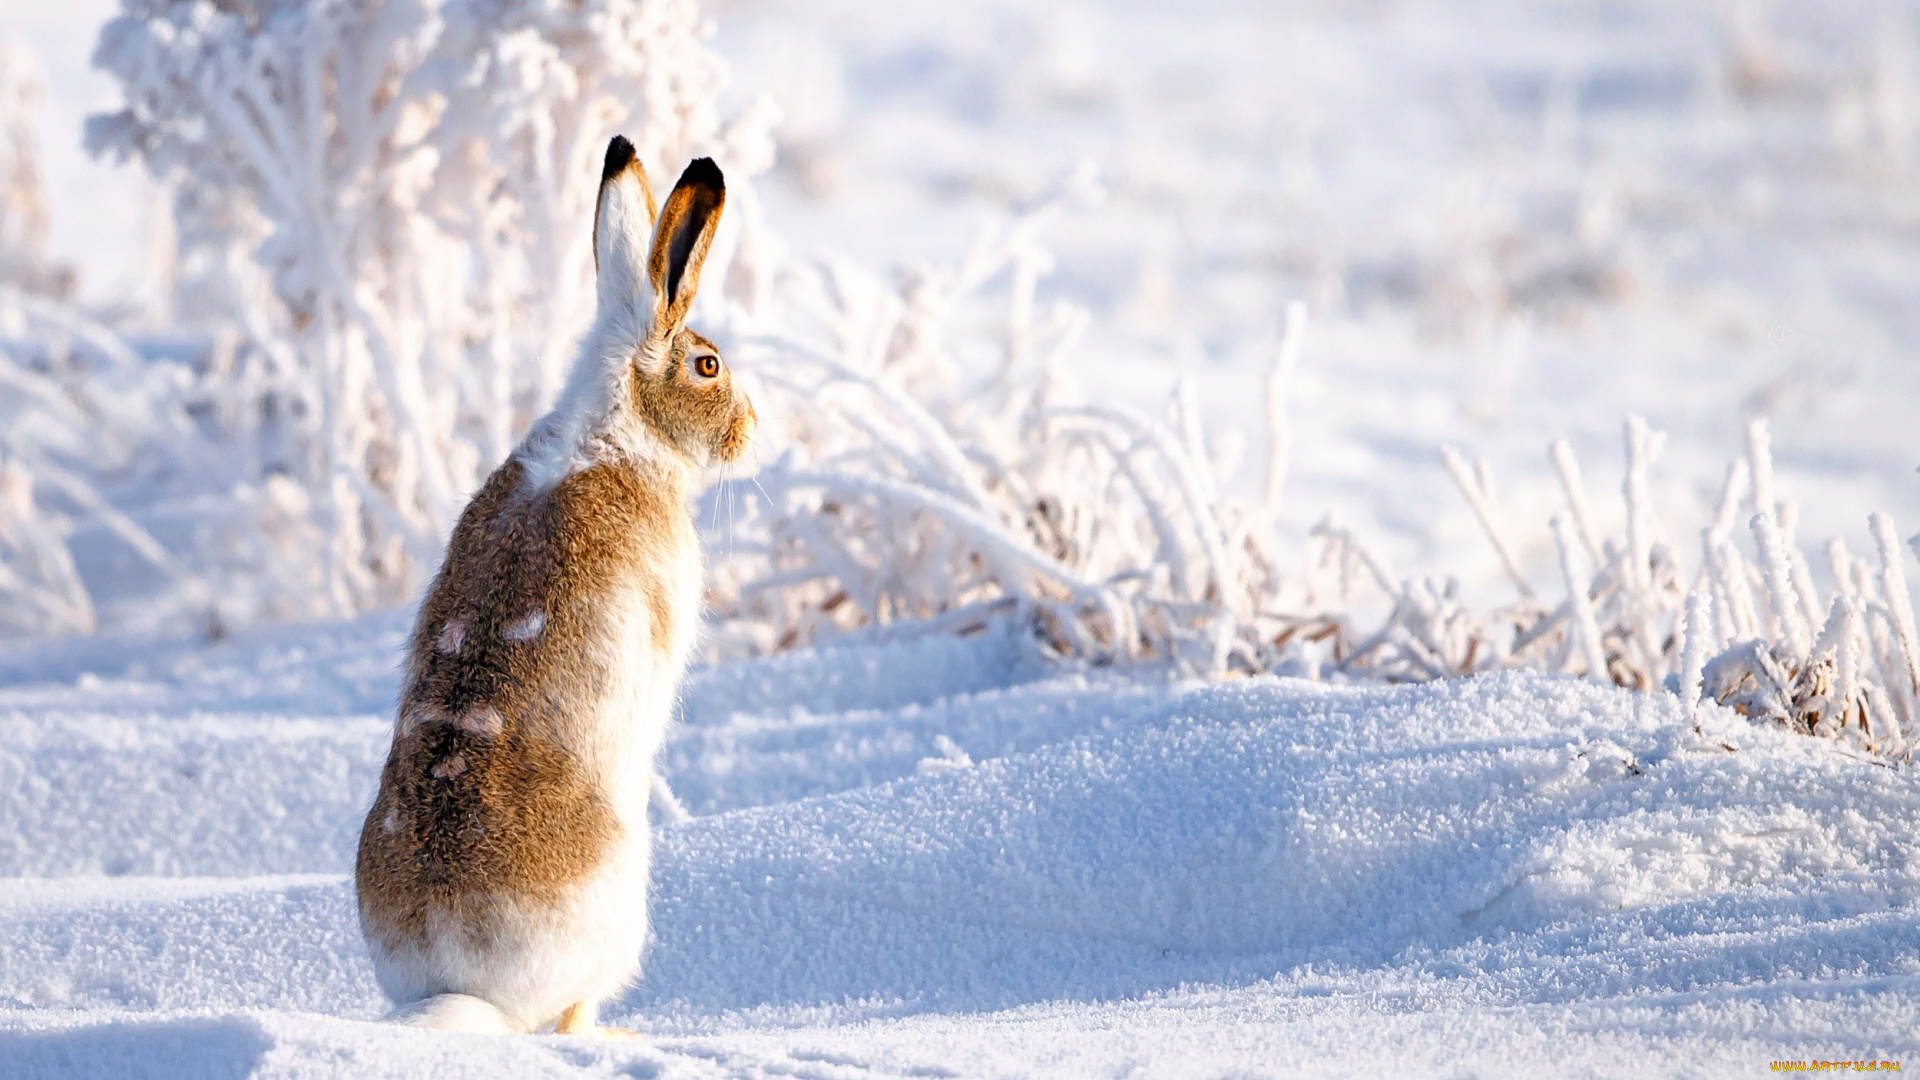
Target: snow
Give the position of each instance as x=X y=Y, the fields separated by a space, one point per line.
x=1102 y=873
x=938 y=856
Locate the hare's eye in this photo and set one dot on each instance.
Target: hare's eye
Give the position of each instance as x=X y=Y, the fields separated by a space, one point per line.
x=706 y=365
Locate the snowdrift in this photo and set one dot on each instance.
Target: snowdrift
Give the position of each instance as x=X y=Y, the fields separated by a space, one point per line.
x=924 y=835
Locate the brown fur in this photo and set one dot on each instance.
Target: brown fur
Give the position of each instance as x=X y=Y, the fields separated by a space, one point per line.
x=694 y=411
x=482 y=816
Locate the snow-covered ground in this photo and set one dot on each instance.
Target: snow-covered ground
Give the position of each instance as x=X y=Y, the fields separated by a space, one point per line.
x=944 y=858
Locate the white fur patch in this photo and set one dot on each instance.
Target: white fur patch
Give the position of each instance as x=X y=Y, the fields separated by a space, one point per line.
x=450 y=766
x=482 y=720
x=452 y=636
x=391 y=823
x=412 y=719
x=526 y=627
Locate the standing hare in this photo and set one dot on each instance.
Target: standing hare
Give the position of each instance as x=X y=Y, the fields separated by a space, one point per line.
x=502 y=872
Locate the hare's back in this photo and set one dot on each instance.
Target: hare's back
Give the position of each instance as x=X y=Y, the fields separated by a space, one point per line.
x=536 y=583
x=524 y=650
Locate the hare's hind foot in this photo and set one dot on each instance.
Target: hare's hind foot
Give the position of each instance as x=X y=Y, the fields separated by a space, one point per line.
x=582 y=1018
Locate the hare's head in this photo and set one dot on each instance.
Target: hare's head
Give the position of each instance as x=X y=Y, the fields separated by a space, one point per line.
x=648 y=265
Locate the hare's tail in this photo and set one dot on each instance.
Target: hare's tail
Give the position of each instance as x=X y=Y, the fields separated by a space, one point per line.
x=454 y=1012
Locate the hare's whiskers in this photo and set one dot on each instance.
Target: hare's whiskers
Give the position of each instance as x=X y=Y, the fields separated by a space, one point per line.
x=729 y=497
x=713 y=503
x=755 y=474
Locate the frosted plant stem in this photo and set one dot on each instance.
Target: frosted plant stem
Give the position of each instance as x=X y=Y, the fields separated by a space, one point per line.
x=1846 y=681
x=934 y=436
x=1733 y=490
x=1586 y=630
x=1737 y=577
x=1337 y=533
x=1829 y=644
x=1643 y=445
x=1783 y=601
x=1893 y=584
x=1479 y=498
x=1000 y=541
x=1797 y=568
x=1187 y=401
x=1699 y=635
x=1571 y=484
x=1760 y=464
x=135 y=537
x=1279 y=391
x=1840 y=565
x=1200 y=512
x=1877 y=715
x=1897 y=700
x=423 y=175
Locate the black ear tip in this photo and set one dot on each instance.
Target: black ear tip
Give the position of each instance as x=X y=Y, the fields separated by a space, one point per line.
x=703 y=172
x=619 y=156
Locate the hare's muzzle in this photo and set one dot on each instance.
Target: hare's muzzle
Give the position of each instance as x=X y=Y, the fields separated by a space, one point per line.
x=740 y=429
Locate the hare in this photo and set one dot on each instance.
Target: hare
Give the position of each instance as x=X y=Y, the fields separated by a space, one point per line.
x=502 y=871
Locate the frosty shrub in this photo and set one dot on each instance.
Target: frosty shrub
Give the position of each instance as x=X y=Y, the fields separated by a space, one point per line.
x=80 y=411
x=899 y=491
x=386 y=199
x=1753 y=634
x=1100 y=528
x=81 y=418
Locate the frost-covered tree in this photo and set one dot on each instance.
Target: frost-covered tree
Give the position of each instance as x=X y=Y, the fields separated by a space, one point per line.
x=390 y=199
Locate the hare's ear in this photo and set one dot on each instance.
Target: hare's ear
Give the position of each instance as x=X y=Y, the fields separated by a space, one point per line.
x=622 y=220
x=681 y=239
